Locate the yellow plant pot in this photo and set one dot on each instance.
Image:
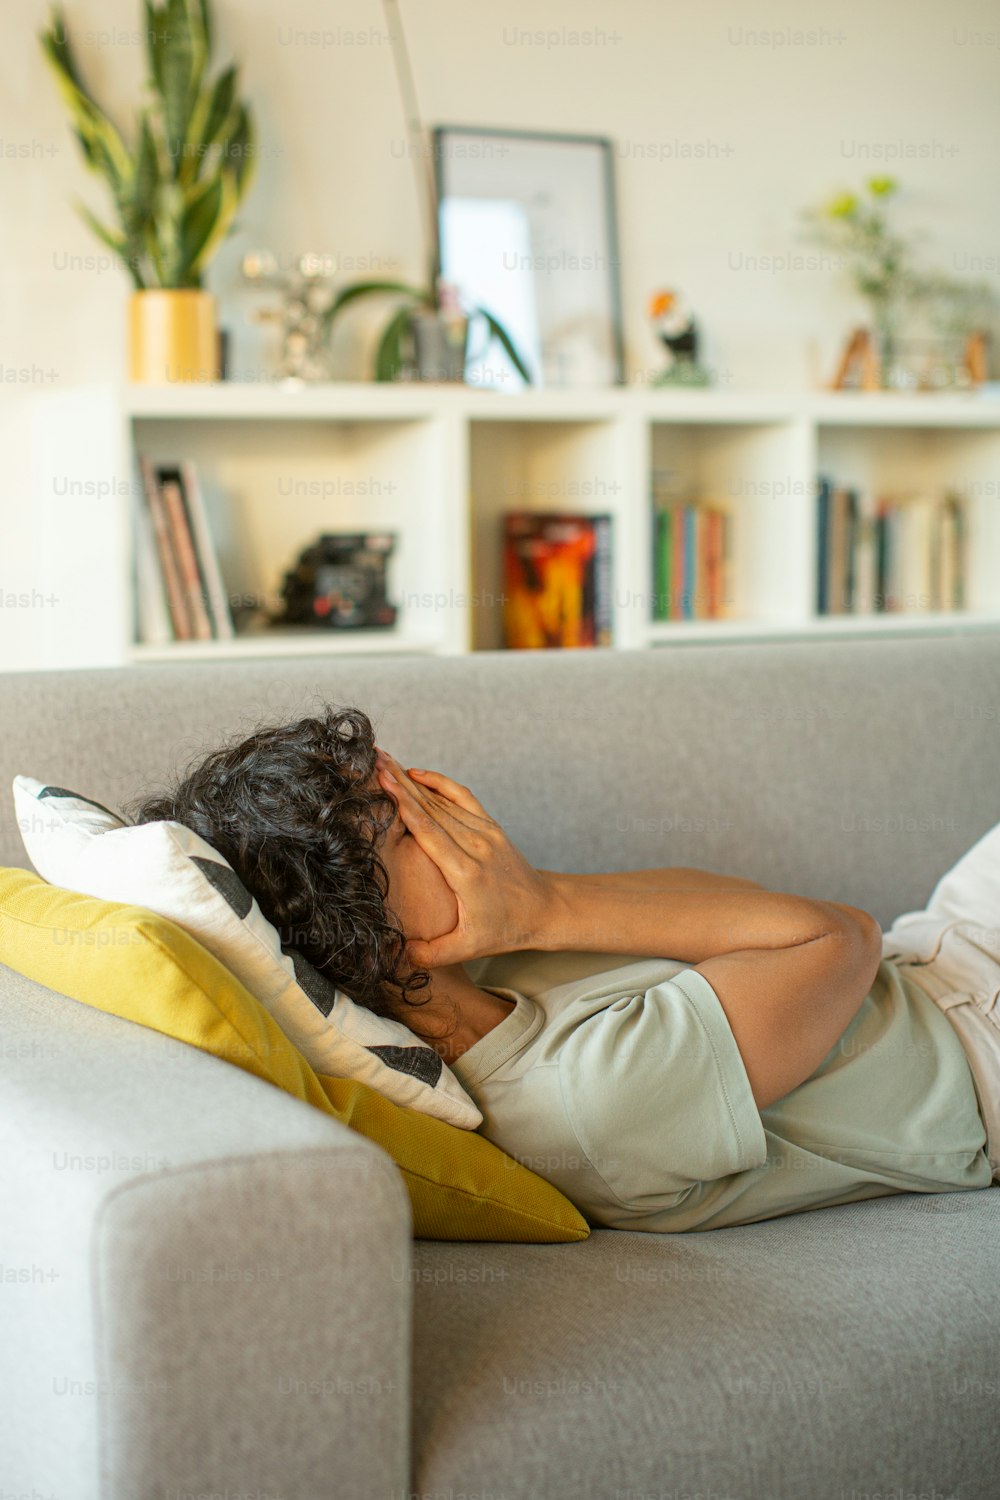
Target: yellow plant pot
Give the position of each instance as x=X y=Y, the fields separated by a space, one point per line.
x=172 y=337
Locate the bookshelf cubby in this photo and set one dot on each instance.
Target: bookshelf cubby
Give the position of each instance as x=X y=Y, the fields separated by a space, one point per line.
x=439 y=465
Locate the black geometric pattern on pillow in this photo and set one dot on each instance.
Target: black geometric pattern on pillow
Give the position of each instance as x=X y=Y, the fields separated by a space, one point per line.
x=420 y=1062
x=316 y=985
x=60 y=791
x=227 y=883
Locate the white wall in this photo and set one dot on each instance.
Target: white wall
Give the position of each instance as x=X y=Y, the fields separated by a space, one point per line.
x=727 y=119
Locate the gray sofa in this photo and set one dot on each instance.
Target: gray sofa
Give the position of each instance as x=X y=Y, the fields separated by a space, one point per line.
x=212 y=1289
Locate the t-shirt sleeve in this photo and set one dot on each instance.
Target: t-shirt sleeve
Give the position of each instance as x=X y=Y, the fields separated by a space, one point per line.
x=657 y=1093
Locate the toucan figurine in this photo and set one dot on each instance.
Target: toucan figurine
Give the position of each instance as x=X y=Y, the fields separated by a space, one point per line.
x=675 y=327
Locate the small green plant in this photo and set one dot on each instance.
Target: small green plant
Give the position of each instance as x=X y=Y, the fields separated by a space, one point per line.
x=177 y=188
x=437 y=297
x=877 y=258
x=883 y=267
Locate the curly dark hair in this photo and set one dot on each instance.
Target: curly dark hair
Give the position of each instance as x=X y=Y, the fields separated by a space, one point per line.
x=292 y=809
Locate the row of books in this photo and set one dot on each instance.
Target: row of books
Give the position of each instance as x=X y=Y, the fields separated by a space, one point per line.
x=890 y=555
x=557 y=579
x=180 y=594
x=692 y=561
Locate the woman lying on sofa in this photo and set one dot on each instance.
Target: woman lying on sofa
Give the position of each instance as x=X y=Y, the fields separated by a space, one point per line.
x=673 y=1049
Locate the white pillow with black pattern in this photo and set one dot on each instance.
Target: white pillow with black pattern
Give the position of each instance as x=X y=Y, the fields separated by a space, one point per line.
x=79 y=845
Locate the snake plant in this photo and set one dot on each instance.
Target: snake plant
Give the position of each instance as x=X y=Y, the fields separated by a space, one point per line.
x=177 y=187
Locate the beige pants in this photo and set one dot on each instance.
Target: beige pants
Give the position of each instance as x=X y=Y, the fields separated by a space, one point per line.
x=952 y=951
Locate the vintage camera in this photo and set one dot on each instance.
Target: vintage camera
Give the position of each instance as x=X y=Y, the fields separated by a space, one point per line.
x=339 y=581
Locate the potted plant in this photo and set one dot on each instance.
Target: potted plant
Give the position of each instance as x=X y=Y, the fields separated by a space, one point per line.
x=885 y=271
x=877 y=258
x=175 y=190
x=427 y=333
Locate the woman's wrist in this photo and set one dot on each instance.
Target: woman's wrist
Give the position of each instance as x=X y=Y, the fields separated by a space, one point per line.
x=581 y=913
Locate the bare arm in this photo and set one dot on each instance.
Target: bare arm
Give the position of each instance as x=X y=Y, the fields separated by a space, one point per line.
x=790 y=972
x=663 y=878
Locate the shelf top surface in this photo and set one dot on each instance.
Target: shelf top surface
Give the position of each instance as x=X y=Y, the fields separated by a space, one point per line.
x=416 y=401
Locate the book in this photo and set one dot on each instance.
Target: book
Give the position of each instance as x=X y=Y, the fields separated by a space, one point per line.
x=882 y=557
x=557 y=580
x=851 y=551
x=957 y=505
x=727 y=581
x=865 y=584
x=173 y=500
x=702 y=517
x=208 y=562
x=917 y=559
x=677 y=564
x=659 y=559
x=690 y=560
x=176 y=596
x=668 y=563
x=603 y=589
x=822 y=551
x=152 y=622
x=836 y=558
x=713 y=566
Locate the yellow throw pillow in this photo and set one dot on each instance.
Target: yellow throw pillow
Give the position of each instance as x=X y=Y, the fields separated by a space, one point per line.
x=134 y=964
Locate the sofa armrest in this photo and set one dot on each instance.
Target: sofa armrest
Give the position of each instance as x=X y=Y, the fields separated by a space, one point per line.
x=208 y=1282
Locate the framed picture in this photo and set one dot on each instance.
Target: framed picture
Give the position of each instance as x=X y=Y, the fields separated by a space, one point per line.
x=527 y=229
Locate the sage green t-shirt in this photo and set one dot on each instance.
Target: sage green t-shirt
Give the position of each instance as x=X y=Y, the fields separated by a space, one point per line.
x=625 y=1088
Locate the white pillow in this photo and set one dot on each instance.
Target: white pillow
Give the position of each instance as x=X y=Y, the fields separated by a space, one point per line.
x=81 y=846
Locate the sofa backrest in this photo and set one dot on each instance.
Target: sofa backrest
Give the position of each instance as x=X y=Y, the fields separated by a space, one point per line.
x=853 y=770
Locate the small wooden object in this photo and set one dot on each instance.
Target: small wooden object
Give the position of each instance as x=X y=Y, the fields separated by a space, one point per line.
x=975 y=357
x=859 y=355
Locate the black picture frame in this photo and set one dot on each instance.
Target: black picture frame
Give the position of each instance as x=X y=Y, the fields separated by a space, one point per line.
x=609 y=353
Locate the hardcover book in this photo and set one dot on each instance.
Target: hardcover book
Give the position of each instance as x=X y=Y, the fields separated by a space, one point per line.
x=557 y=580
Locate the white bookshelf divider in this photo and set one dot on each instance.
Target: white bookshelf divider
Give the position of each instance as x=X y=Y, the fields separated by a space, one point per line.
x=439 y=465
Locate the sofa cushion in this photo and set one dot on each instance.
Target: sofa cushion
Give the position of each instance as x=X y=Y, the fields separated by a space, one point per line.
x=132 y=963
x=167 y=868
x=843 y=1353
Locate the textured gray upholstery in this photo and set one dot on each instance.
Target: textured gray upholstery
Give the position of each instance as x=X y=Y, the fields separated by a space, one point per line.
x=214 y=1295
x=828 y=1355
x=841 y=1353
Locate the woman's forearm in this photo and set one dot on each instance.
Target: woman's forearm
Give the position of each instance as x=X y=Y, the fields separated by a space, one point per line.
x=690 y=921
x=663 y=878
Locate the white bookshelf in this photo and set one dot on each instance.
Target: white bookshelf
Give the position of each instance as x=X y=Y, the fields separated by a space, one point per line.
x=439 y=464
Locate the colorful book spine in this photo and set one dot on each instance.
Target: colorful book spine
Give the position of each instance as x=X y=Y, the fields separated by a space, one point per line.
x=172 y=580
x=677 y=566
x=823 y=545
x=864 y=597
x=659 y=575
x=690 y=560
x=851 y=549
x=728 y=563
x=173 y=500
x=714 y=568
x=208 y=562
x=152 y=621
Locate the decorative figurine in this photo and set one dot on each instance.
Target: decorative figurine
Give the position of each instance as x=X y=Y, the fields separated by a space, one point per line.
x=675 y=327
x=307 y=291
